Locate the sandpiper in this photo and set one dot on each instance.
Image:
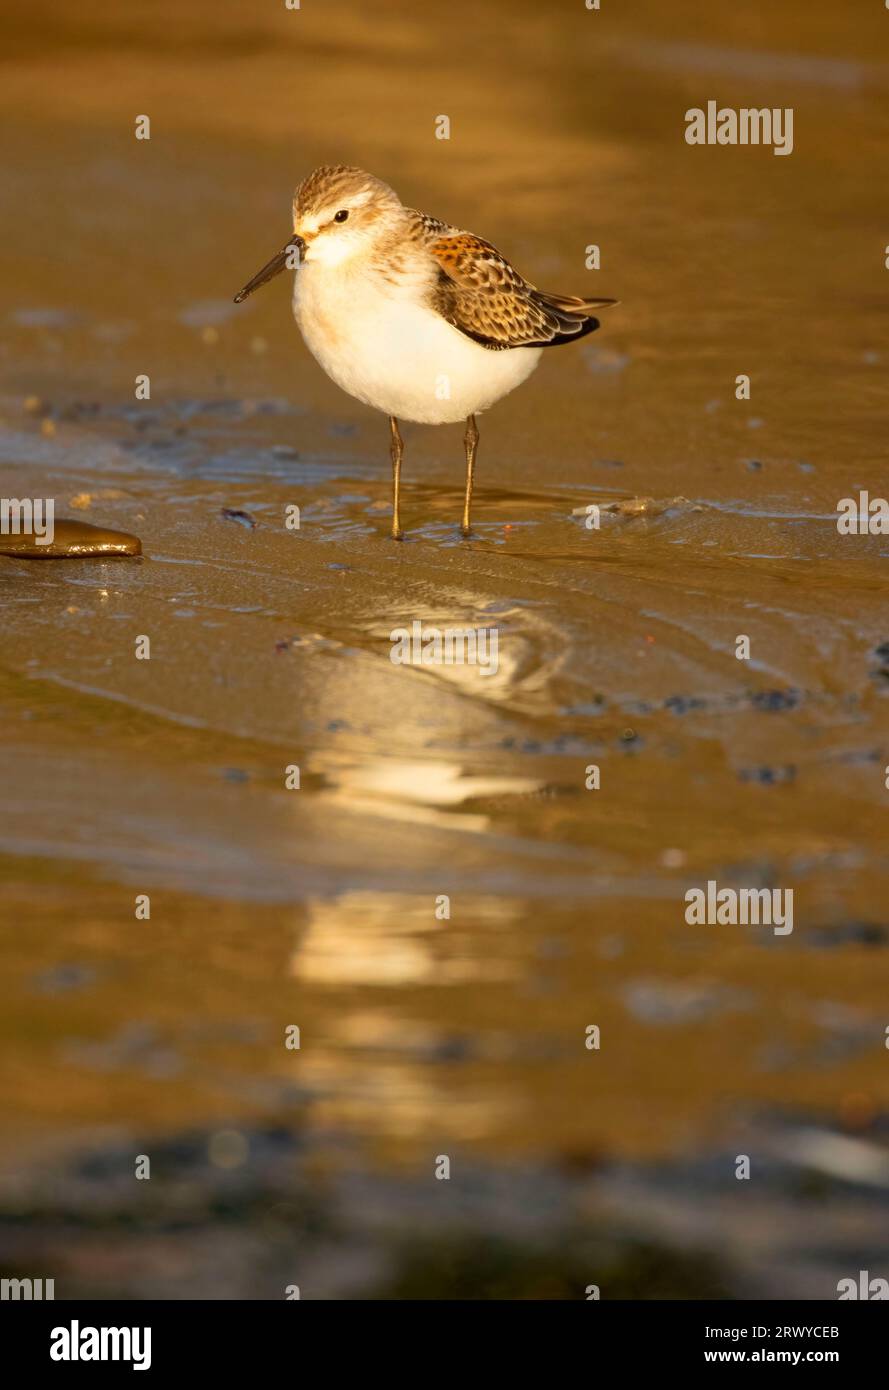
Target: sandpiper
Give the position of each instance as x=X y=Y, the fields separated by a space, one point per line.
x=411 y=315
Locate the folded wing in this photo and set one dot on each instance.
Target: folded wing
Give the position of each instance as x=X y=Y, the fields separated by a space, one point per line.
x=481 y=294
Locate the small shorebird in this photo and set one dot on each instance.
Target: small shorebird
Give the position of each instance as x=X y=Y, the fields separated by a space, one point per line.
x=410 y=315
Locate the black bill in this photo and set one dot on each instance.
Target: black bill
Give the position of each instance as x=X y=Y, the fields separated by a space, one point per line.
x=288 y=258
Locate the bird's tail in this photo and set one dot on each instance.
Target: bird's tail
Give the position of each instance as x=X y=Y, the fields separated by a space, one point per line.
x=573 y=307
x=576 y=317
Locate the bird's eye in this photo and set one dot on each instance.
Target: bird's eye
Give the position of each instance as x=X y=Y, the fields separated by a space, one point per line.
x=341 y=215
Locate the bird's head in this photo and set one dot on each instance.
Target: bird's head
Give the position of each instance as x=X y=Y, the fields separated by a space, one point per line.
x=338 y=213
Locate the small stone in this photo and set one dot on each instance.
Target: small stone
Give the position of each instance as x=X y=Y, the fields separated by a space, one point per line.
x=72 y=540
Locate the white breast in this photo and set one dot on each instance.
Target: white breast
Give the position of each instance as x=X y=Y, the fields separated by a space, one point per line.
x=381 y=343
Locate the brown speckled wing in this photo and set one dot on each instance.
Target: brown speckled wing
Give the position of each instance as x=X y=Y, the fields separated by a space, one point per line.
x=481 y=294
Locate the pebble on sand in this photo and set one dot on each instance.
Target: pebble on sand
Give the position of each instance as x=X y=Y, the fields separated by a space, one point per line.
x=72 y=540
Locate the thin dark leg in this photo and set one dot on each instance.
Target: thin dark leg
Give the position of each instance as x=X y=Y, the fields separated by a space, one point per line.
x=396 y=451
x=470 y=443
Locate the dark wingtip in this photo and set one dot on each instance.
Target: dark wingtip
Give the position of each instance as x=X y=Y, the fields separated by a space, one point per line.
x=573 y=335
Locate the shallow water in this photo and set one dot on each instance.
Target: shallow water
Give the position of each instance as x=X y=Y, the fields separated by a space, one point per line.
x=270 y=648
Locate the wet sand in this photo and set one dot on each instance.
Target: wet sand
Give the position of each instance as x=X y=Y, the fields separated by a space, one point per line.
x=269 y=907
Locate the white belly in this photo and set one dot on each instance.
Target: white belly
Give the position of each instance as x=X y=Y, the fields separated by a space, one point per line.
x=395 y=354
